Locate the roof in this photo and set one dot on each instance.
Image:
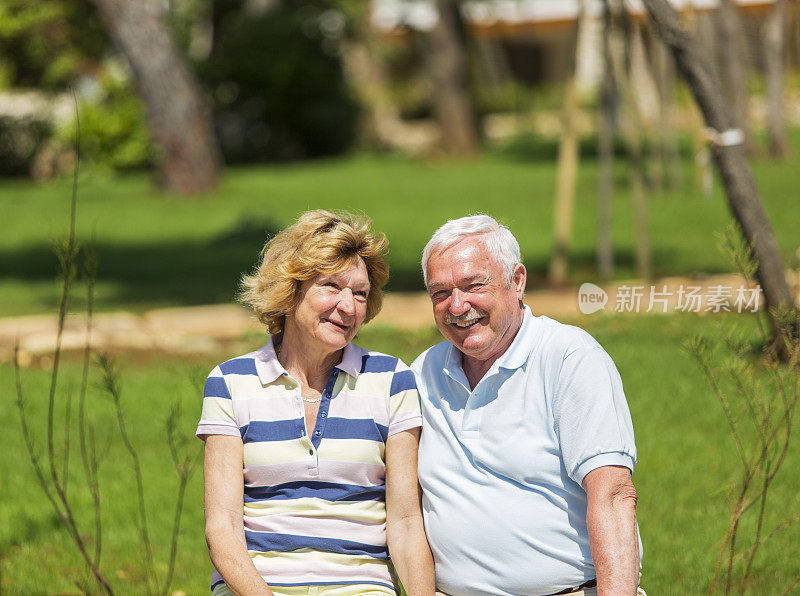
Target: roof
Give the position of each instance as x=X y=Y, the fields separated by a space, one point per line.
x=421 y=14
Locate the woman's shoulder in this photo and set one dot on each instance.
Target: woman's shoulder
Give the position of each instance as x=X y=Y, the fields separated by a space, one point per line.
x=373 y=361
x=244 y=364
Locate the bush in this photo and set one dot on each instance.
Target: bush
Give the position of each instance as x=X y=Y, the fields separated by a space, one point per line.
x=278 y=88
x=20 y=141
x=114 y=130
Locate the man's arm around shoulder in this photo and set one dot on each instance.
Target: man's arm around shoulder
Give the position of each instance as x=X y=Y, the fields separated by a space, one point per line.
x=613 y=536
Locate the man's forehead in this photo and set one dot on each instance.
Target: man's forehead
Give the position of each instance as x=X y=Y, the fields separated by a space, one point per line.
x=467 y=260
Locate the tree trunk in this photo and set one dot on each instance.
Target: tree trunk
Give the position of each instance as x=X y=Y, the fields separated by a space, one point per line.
x=644 y=92
x=733 y=59
x=774 y=61
x=495 y=69
x=631 y=127
x=732 y=164
x=605 y=169
x=567 y=169
x=178 y=117
x=453 y=106
x=664 y=69
x=367 y=77
x=702 y=26
x=565 y=191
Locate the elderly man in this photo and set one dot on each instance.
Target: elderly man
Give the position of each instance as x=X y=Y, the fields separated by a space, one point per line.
x=527 y=449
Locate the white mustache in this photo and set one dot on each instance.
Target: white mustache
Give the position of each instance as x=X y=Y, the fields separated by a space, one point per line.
x=468 y=317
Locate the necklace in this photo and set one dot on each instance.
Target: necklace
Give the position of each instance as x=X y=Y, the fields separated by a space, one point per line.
x=309 y=400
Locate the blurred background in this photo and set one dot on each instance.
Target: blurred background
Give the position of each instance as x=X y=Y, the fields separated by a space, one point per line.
x=566 y=119
x=196 y=129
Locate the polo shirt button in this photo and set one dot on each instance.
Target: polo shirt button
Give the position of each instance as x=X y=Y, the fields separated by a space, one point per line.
x=311 y=452
x=323 y=414
x=318 y=433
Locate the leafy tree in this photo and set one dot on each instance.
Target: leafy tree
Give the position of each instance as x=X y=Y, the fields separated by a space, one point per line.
x=48 y=43
x=277 y=82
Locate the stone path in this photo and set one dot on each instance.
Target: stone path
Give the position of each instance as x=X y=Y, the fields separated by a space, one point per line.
x=202 y=328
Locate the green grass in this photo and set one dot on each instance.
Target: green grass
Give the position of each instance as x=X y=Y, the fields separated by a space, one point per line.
x=687 y=462
x=157 y=250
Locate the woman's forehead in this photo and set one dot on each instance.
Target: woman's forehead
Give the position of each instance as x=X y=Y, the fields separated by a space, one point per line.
x=353 y=269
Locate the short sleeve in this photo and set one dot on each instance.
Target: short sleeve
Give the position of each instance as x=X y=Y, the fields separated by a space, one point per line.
x=404 y=406
x=217 y=417
x=591 y=415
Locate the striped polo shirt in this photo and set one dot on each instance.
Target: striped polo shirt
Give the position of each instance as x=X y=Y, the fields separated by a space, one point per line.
x=314 y=506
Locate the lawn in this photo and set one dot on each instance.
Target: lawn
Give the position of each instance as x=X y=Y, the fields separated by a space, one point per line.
x=686 y=464
x=157 y=250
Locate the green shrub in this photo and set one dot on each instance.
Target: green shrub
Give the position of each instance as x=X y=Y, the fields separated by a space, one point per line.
x=20 y=141
x=113 y=129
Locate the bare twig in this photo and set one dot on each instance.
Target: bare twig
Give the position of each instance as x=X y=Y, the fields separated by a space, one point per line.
x=185 y=464
x=28 y=437
x=87 y=444
x=55 y=487
x=769 y=388
x=67 y=416
x=111 y=385
x=791 y=586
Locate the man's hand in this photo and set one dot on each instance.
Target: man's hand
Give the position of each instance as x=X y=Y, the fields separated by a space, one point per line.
x=611 y=521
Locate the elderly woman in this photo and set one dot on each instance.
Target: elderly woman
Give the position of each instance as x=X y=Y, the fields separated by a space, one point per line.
x=311 y=441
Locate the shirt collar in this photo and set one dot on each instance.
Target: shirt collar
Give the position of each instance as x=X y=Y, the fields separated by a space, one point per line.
x=269 y=368
x=526 y=339
x=514 y=357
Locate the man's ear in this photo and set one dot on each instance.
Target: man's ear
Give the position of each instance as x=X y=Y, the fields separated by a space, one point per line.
x=518 y=279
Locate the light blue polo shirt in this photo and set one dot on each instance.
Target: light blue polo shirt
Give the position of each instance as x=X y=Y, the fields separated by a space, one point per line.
x=501 y=466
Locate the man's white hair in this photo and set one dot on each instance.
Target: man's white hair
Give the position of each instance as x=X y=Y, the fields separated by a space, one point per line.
x=499 y=240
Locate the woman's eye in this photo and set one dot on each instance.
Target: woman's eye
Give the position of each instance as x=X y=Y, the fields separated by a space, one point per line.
x=360 y=295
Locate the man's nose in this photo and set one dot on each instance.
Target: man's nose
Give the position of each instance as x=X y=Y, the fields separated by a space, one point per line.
x=458 y=302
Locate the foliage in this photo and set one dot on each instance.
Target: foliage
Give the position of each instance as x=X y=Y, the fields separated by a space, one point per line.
x=20 y=141
x=759 y=395
x=278 y=86
x=48 y=43
x=516 y=96
x=114 y=131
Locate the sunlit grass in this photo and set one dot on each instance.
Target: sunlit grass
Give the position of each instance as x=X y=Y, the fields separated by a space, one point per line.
x=686 y=463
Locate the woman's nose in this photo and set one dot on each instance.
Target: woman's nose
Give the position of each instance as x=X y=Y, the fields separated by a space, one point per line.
x=347 y=302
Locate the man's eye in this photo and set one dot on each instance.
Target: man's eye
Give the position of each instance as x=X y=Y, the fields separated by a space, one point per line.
x=439 y=295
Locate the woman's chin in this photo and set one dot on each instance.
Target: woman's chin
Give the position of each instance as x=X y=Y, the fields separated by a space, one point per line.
x=336 y=340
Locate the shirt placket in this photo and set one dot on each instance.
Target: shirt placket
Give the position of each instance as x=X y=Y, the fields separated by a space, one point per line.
x=322 y=417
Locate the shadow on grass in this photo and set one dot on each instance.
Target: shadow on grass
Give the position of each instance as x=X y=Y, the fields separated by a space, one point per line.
x=192 y=272
x=181 y=272
x=187 y=273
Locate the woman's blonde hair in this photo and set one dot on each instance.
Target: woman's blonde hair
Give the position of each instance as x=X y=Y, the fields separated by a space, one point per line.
x=319 y=242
